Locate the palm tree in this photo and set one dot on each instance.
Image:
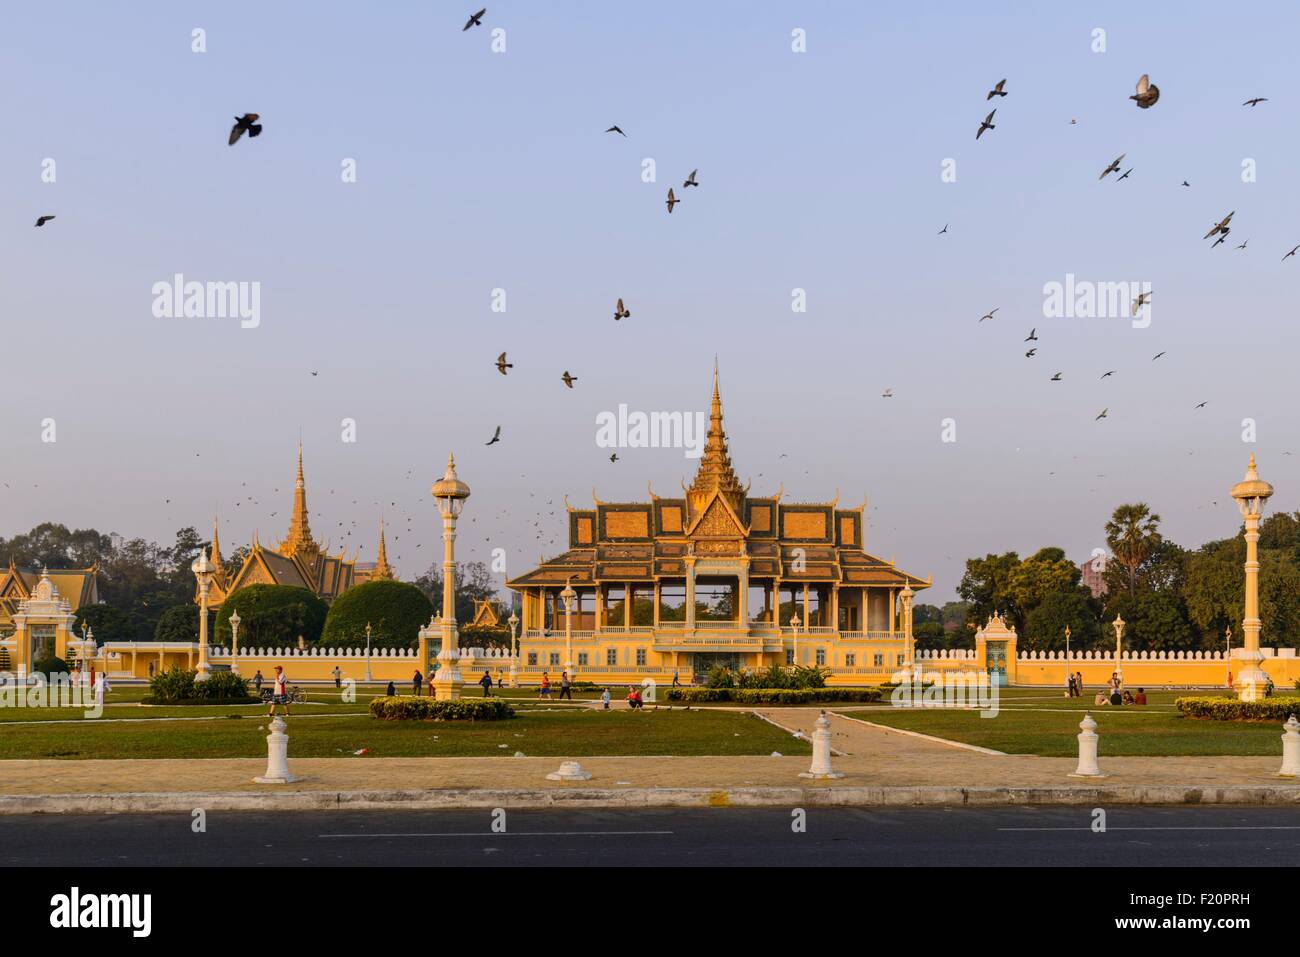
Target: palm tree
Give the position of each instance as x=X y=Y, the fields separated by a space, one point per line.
x=1132 y=533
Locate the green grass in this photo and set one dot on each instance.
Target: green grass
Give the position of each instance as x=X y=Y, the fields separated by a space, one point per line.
x=1045 y=723
x=536 y=732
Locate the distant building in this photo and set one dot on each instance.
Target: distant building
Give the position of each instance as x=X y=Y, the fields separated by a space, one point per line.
x=1094 y=575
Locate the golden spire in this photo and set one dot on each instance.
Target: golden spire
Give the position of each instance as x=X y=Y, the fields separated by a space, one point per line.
x=382 y=568
x=215 y=555
x=299 y=539
x=715 y=472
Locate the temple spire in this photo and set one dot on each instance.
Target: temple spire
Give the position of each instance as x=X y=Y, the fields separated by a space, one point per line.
x=299 y=539
x=715 y=471
x=214 y=556
x=382 y=568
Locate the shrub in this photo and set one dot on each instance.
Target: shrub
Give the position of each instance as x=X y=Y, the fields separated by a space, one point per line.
x=272 y=616
x=177 y=686
x=404 y=708
x=49 y=665
x=774 y=676
x=772 y=695
x=1230 y=709
x=395 y=610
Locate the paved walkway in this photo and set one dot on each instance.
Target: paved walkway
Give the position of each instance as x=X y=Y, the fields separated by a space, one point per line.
x=871 y=756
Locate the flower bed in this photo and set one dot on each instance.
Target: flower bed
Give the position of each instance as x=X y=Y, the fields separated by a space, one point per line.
x=407 y=708
x=1230 y=709
x=772 y=695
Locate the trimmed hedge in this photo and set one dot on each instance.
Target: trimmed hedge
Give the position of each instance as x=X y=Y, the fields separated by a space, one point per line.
x=1230 y=709
x=201 y=701
x=407 y=708
x=772 y=695
x=396 y=610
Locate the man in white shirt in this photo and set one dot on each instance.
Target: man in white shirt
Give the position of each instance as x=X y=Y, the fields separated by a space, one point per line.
x=280 y=694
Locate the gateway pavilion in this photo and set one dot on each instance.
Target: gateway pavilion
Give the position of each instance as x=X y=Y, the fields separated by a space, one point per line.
x=716 y=577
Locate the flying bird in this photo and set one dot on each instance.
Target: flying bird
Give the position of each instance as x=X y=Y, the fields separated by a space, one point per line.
x=1243 y=245
x=987 y=124
x=496 y=437
x=1110 y=373
x=942 y=231
x=1103 y=414
x=1221 y=239
x=1113 y=167
x=245 y=124
x=620 y=312
x=671 y=200
x=1221 y=226
x=1142 y=299
x=1185 y=183
x=1201 y=405
x=690 y=180
x=989 y=314
x=1290 y=254
x=1125 y=176
x=1255 y=101
x=1147 y=93
x=615 y=129
x=887 y=394
x=1156 y=356
x=42 y=220
x=1055 y=378
x=1033 y=335
x=475 y=20
x=613 y=456
x=568 y=379
x=1031 y=353
x=997 y=90
x=502 y=365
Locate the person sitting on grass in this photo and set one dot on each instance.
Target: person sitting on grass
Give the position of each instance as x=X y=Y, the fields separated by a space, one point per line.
x=392 y=690
x=633 y=698
x=1100 y=699
x=1115 y=697
x=486 y=682
x=1141 y=696
x=1128 y=696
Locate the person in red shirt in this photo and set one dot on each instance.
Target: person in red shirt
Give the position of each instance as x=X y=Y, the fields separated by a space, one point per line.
x=1140 y=697
x=280 y=694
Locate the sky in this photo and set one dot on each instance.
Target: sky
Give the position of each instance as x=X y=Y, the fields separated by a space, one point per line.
x=477 y=171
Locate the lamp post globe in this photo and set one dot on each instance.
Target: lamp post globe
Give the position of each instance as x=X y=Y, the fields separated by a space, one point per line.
x=450 y=493
x=1251 y=495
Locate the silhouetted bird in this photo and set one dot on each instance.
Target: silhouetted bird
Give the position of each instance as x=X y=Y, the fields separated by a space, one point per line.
x=671 y=200
x=568 y=379
x=1056 y=378
x=1103 y=414
x=1113 y=167
x=475 y=20
x=1221 y=226
x=942 y=231
x=620 y=312
x=1033 y=335
x=245 y=124
x=1031 y=353
x=1147 y=93
x=1108 y=374
x=41 y=221
x=615 y=129
x=1201 y=406
x=1125 y=176
x=613 y=456
x=997 y=90
x=502 y=365
x=987 y=124
x=989 y=314
x=1255 y=101
x=1290 y=254
x=1156 y=356
x=690 y=180
x=496 y=437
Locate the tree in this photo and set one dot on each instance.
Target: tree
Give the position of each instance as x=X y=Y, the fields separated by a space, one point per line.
x=272 y=616
x=396 y=611
x=985 y=587
x=106 y=622
x=179 y=623
x=1132 y=532
x=1046 y=572
x=1074 y=608
x=474 y=582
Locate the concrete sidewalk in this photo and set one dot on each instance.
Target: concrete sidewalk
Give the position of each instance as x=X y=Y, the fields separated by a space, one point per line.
x=881 y=766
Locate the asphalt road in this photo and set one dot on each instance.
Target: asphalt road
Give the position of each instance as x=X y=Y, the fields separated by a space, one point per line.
x=1134 y=836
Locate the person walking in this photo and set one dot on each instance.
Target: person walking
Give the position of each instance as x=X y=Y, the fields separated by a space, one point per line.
x=417 y=679
x=1078 y=684
x=501 y=683
x=486 y=682
x=565 y=691
x=280 y=694
x=544 y=692
x=428 y=683
x=338 y=677
x=676 y=679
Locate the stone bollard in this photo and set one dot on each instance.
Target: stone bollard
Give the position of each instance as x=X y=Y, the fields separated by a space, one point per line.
x=569 y=771
x=821 y=759
x=1290 y=749
x=277 y=756
x=1087 y=750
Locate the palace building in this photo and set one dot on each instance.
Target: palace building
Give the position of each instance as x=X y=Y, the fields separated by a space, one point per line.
x=298 y=560
x=715 y=577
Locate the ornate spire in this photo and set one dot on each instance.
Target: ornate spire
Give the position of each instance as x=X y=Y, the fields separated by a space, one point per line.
x=382 y=568
x=215 y=555
x=299 y=540
x=715 y=471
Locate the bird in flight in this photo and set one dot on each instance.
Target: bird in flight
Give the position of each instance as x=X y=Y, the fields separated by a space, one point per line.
x=1221 y=226
x=615 y=129
x=1221 y=239
x=887 y=394
x=1201 y=405
x=690 y=180
x=1033 y=335
x=1185 y=183
x=1142 y=299
x=987 y=124
x=1113 y=167
x=1031 y=353
x=671 y=200
x=1055 y=378
x=942 y=231
x=1110 y=373
x=997 y=90
x=613 y=456
x=245 y=124
x=1125 y=176
x=1147 y=93
x=475 y=20
x=568 y=379
x=1103 y=414
x=620 y=312
x=1290 y=254
x=989 y=314
x=315 y=373
x=502 y=365
x=1156 y=356
x=496 y=437
x=1243 y=245
x=41 y=221
x=1255 y=101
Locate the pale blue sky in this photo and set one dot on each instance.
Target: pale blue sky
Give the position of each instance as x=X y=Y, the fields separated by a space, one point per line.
x=480 y=170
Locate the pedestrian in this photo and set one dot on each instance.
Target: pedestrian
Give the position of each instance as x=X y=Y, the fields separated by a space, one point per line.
x=486 y=682
x=338 y=677
x=565 y=692
x=417 y=679
x=428 y=683
x=91 y=685
x=257 y=681
x=604 y=699
x=544 y=692
x=75 y=676
x=101 y=689
x=500 y=679
x=1078 y=684
x=281 y=693
x=676 y=682
x=392 y=690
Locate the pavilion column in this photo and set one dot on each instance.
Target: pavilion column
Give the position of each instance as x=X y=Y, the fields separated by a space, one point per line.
x=656 y=612
x=835 y=606
x=803 y=617
x=627 y=604
x=892 y=620
x=690 y=593
x=776 y=602
x=600 y=606
x=742 y=600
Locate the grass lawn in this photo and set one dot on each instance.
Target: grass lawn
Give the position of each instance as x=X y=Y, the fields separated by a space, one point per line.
x=1046 y=723
x=568 y=732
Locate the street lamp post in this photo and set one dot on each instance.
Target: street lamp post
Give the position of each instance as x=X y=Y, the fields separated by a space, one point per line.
x=794 y=627
x=204 y=571
x=1227 y=653
x=1119 y=644
x=234 y=641
x=568 y=596
x=905 y=604
x=514 y=650
x=450 y=494
x=1251 y=494
x=368 y=652
x=1067 y=657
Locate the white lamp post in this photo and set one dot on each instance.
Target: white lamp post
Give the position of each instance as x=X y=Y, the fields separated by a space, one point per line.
x=368 y=652
x=1119 y=639
x=794 y=626
x=203 y=572
x=234 y=641
x=1227 y=652
x=1251 y=494
x=450 y=494
x=568 y=596
x=909 y=650
x=514 y=650
x=1067 y=657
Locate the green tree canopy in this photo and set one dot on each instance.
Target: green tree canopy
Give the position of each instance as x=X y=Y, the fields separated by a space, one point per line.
x=272 y=616
x=179 y=623
x=396 y=611
x=1132 y=533
x=1071 y=606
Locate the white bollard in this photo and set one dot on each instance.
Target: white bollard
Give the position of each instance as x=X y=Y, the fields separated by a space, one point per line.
x=1087 y=750
x=1290 y=749
x=569 y=771
x=277 y=756
x=821 y=759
